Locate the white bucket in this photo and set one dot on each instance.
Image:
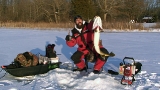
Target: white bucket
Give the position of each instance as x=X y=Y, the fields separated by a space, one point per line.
x=43 y=59
x=54 y=60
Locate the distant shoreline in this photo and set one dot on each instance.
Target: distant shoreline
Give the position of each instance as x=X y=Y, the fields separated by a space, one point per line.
x=118 y=26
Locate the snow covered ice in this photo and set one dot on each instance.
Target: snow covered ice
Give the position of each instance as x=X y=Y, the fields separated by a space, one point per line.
x=142 y=46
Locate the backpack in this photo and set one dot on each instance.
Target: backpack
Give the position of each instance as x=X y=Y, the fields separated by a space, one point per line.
x=50 y=53
x=26 y=59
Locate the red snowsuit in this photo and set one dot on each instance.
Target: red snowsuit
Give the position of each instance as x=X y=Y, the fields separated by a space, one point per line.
x=77 y=38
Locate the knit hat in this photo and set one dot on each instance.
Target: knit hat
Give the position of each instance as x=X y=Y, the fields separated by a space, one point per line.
x=77 y=17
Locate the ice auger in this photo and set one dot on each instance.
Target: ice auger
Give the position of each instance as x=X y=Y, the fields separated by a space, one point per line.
x=127 y=69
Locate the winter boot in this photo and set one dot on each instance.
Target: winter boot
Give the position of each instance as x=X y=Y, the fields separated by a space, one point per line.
x=78 y=69
x=96 y=72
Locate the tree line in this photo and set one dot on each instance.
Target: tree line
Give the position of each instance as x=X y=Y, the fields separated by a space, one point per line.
x=59 y=11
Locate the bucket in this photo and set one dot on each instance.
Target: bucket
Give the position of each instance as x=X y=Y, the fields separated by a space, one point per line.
x=43 y=59
x=54 y=60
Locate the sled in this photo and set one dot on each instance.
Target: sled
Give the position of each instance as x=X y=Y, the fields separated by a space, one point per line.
x=32 y=70
x=45 y=64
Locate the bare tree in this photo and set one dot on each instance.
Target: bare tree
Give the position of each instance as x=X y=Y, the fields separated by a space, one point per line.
x=108 y=7
x=133 y=8
x=36 y=10
x=55 y=9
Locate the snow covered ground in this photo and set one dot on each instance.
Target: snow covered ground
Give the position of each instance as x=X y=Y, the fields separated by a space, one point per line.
x=142 y=46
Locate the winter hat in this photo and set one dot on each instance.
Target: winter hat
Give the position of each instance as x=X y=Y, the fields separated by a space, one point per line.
x=76 y=17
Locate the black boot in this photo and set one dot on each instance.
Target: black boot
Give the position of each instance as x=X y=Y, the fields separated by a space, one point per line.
x=78 y=69
x=96 y=72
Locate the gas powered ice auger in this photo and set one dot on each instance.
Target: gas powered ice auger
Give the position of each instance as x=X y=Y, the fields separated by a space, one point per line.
x=128 y=71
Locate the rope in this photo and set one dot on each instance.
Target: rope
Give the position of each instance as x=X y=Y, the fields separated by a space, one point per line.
x=3 y=75
x=1 y=70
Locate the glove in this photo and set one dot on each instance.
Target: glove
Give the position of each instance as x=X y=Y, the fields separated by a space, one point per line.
x=111 y=54
x=68 y=37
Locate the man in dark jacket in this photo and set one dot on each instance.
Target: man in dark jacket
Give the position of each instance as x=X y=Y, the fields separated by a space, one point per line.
x=82 y=35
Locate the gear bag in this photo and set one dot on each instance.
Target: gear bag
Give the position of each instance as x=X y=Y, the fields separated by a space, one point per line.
x=26 y=59
x=50 y=53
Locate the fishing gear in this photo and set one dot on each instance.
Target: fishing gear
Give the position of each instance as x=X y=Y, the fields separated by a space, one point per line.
x=128 y=71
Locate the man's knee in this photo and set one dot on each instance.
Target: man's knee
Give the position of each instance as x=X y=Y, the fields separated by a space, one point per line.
x=76 y=57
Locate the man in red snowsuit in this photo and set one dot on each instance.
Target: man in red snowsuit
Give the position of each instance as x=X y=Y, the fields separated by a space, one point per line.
x=82 y=35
